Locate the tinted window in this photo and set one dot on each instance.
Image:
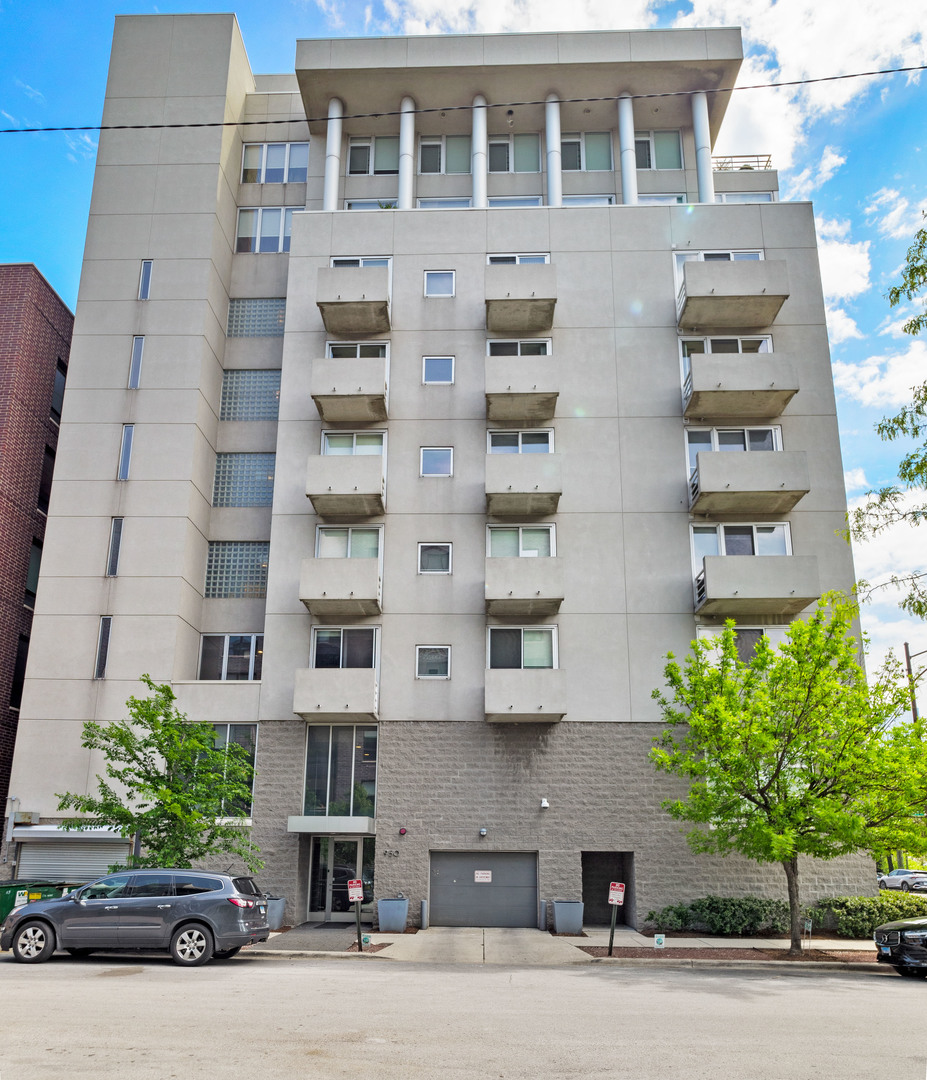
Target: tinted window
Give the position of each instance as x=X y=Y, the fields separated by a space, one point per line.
x=247 y=886
x=153 y=885
x=107 y=888
x=189 y=884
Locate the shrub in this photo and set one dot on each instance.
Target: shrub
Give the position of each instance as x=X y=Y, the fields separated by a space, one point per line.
x=858 y=916
x=724 y=915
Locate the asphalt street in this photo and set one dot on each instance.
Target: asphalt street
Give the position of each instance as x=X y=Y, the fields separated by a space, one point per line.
x=347 y=1017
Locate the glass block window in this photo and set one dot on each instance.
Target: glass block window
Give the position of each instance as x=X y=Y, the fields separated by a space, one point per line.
x=250 y=395
x=237 y=569
x=244 y=480
x=260 y=316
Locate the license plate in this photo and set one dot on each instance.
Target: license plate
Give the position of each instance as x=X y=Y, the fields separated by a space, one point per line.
x=886 y=950
x=261 y=908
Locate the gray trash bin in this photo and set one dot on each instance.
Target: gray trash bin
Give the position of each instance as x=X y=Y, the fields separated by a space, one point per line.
x=392 y=915
x=276 y=905
x=568 y=916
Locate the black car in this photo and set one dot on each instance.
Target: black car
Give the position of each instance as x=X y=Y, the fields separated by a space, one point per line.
x=903 y=944
x=196 y=916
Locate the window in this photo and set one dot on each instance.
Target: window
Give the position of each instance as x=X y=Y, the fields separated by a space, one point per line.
x=57 y=400
x=231 y=657
x=115 y=545
x=99 y=667
x=345 y=647
x=658 y=149
x=45 y=480
x=264 y=229
x=347 y=543
x=250 y=395
x=674 y=199
x=513 y=202
x=437 y=461
x=379 y=156
x=341 y=771
x=352 y=443
x=32 y=574
x=135 y=362
x=356 y=263
x=743 y=196
x=439 y=282
x=355 y=350
x=275 y=163
x=522 y=647
x=762 y=539
x=434 y=558
x=144 y=280
x=692 y=346
x=531 y=347
x=746 y=637
x=521 y=442
x=682 y=257
x=589 y=151
x=244 y=480
x=521 y=541
x=125 y=452
x=588 y=200
x=386 y=203
x=517 y=260
x=19 y=672
x=432 y=661
x=237 y=569
x=438 y=370
x=257 y=316
x=245 y=736
x=723 y=439
x=515 y=153
x=461 y=203
x=444 y=154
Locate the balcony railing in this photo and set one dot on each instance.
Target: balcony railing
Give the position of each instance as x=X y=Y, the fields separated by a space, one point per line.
x=734 y=162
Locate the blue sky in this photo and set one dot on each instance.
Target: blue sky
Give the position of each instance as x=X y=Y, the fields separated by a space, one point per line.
x=855 y=147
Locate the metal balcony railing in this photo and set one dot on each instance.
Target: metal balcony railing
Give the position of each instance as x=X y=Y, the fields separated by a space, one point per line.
x=734 y=162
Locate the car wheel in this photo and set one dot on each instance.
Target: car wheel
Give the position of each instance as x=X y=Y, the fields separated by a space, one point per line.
x=79 y=952
x=34 y=943
x=912 y=973
x=191 y=946
x=905 y=887
x=882 y=884
x=226 y=954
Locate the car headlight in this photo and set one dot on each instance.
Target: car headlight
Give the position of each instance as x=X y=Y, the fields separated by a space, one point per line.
x=914 y=937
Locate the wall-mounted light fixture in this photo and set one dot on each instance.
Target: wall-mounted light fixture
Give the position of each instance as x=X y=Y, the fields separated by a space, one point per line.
x=545 y=805
x=483 y=832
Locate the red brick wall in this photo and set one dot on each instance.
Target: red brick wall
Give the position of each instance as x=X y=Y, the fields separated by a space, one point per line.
x=35 y=333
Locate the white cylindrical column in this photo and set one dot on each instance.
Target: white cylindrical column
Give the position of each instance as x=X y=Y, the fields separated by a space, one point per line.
x=407 y=154
x=332 y=155
x=702 y=133
x=554 y=157
x=479 y=152
x=626 y=150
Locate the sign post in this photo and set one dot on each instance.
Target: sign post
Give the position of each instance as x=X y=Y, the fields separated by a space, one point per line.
x=616 y=899
x=356 y=896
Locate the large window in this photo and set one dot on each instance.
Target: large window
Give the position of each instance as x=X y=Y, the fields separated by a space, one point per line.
x=264 y=229
x=275 y=163
x=347 y=542
x=244 y=480
x=352 y=443
x=736 y=439
x=344 y=647
x=256 y=316
x=237 y=569
x=378 y=156
x=521 y=541
x=444 y=154
x=515 y=153
x=250 y=394
x=356 y=350
x=245 y=736
x=658 y=149
x=531 y=347
x=587 y=151
x=341 y=771
x=231 y=657
x=742 y=539
x=522 y=647
x=521 y=442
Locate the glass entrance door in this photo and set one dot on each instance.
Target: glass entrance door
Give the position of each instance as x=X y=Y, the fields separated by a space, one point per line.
x=334 y=862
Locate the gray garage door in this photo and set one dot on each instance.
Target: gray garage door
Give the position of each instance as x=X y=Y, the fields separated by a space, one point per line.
x=476 y=888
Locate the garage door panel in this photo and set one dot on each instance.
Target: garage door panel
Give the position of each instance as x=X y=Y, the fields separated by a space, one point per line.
x=508 y=898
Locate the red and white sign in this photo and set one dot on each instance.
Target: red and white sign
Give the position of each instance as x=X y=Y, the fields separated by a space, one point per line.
x=355 y=890
x=482 y=877
x=616 y=893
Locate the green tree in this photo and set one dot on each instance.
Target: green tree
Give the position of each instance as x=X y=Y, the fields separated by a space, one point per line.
x=167 y=785
x=793 y=753
x=895 y=504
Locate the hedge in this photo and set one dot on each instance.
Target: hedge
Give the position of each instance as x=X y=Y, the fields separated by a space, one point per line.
x=858 y=916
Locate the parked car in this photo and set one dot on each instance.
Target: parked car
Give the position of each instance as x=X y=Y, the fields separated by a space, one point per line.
x=906 y=880
x=196 y=916
x=903 y=944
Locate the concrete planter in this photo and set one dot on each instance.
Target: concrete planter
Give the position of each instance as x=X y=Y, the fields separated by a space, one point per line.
x=568 y=916
x=392 y=915
x=276 y=905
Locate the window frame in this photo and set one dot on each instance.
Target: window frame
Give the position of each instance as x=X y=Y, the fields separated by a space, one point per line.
x=144 y=280
x=776 y=634
x=136 y=359
x=514 y=202
x=527 y=258
x=774 y=429
x=262 y=169
x=449 y=202
x=242 y=819
x=741 y=198
x=421 y=462
x=332 y=431
x=508 y=139
x=283 y=234
x=662 y=198
x=441 y=141
x=313 y=646
x=590 y=199
x=438 y=678
x=436 y=543
x=549 y=526
x=547 y=628
x=438 y=382
x=519 y=343
x=58 y=387
x=680 y=258
x=520 y=432
x=321 y=528
x=313 y=731
x=357 y=346
x=256 y=650
x=580 y=137
x=647 y=136
x=239 y=471
x=124 y=462
x=439 y=295
x=104 y=640
x=719 y=532
x=370 y=141
x=114 y=549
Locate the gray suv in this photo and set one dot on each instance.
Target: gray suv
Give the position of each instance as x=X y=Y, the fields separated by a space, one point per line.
x=195 y=915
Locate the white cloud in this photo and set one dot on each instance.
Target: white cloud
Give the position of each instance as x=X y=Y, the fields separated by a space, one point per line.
x=840 y=326
x=845 y=265
x=80 y=146
x=30 y=91
x=497 y=16
x=884 y=381
x=894 y=215
x=855 y=480
x=892 y=325
x=805 y=183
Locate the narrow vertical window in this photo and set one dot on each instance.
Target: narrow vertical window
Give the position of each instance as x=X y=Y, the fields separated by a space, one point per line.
x=32 y=575
x=19 y=672
x=144 y=280
x=135 y=363
x=99 y=670
x=57 y=401
x=115 y=543
x=45 y=482
x=125 y=452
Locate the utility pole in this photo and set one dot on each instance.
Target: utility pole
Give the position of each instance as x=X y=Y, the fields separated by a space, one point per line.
x=908 y=656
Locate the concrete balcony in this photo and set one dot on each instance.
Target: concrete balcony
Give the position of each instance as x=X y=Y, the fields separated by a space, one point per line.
x=742 y=385
x=522 y=485
x=336 y=695
x=738 y=295
x=343 y=587
x=524 y=587
x=520 y=299
x=520 y=389
x=354 y=301
x=754 y=482
x=355 y=391
x=346 y=486
x=735 y=585
x=525 y=695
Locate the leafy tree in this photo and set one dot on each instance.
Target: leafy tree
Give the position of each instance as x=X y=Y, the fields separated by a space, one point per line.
x=793 y=753
x=893 y=504
x=167 y=785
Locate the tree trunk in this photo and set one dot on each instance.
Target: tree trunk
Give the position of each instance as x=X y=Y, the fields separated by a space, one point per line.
x=795 y=920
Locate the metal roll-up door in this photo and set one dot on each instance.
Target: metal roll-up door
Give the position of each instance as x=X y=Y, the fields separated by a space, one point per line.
x=476 y=888
x=74 y=860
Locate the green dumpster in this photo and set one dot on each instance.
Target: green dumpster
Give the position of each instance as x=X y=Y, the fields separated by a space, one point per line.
x=21 y=891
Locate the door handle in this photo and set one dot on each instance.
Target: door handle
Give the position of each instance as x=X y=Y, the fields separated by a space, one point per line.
x=111 y=907
x=163 y=906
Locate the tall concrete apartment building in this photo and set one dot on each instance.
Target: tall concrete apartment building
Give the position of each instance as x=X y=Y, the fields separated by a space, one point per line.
x=420 y=404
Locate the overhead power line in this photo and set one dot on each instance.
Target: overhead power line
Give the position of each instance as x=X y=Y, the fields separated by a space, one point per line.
x=460 y=108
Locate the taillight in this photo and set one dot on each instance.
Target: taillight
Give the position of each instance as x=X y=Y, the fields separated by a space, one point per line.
x=238 y=902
